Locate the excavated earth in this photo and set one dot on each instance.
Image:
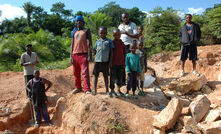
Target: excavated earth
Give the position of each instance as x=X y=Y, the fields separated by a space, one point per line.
x=81 y=113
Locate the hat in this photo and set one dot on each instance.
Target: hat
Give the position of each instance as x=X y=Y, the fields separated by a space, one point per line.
x=28 y=45
x=78 y=18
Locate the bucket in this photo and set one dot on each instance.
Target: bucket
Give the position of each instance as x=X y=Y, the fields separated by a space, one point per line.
x=148 y=80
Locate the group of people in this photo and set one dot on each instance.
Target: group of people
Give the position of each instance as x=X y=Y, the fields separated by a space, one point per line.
x=125 y=53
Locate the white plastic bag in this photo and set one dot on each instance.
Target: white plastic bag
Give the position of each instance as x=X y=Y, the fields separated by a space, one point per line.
x=148 y=80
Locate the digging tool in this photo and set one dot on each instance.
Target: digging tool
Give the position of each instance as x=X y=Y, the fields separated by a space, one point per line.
x=32 y=120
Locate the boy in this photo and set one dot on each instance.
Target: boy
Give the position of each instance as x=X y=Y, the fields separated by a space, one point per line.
x=37 y=88
x=118 y=63
x=143 y=62
x=81 y=38
x=103 y=58
x=140 y=34
x=133 y=68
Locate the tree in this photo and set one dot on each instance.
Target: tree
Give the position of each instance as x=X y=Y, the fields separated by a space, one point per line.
x=94 y=21
x=58 y=8
x=214 y=21
x=136 y=16
x=163 y=32
x=28 y=8
x=114 y=11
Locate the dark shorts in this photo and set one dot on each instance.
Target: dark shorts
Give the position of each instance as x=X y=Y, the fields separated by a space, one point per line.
x=190 y=50
x=101 y=67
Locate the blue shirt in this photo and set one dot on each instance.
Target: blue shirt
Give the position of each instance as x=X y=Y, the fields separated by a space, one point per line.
x=102 y=48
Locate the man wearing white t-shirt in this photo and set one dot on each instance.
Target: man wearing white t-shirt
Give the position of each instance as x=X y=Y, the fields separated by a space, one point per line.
x=128 y=31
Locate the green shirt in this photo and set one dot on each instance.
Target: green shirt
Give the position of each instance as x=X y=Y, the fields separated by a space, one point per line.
x=133 y=63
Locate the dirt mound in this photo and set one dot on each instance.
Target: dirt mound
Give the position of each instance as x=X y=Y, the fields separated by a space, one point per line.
x=82 y=113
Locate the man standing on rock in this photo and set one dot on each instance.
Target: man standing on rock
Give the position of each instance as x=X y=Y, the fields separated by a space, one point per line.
x=129 y=33
x=190 y=35
x=79 y=56
x=28 y=60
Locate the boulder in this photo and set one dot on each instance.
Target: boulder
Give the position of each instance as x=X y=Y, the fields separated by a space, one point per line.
x=185 y=111
x=206 y=89
x=199 y=107
x=168 y=116
x=158 y=131
x=187 y=84
x=212 y=128
x=212 y=116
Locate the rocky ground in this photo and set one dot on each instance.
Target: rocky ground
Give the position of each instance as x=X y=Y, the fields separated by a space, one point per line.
x=170 y=104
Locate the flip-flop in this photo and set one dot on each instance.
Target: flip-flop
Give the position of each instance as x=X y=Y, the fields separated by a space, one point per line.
x=127 y=95
x=121 y=94
x=76 y=90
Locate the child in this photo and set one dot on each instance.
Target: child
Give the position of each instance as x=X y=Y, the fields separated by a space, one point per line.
x=118 y=63
x=133 y=68
x=37 y=88
x=140 y=35
x=103 y=58
x=143 y=62
x=81 y=45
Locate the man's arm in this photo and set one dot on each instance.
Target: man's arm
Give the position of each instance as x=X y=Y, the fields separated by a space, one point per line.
x=28 y=86
x=45 y=81
x=89 y=41
x=71 y=50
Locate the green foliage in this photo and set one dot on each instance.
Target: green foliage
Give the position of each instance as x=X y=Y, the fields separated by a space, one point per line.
x=214 y=21
x=136 y=16
x=47 y=46
x=116 y=126
x=28 y=8
x=94 y=21
x=163 y=31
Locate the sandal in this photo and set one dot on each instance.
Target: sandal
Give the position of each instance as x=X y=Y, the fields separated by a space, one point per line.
x=135 y=97
x=196 y=73
x=182 y=73
x=121 y=94
x=76 y=90
x=127 y=95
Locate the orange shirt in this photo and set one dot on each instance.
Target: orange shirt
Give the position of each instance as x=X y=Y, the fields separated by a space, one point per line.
x=80 y=42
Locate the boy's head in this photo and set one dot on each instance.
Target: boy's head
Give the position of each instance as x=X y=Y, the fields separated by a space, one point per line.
x=36 y=73
x=79 y=21
x=116 y=34
x=140 y=30
x=125 y=18
x=188 y=18
x=140 y=45
x=102 y=32
x=133 y=47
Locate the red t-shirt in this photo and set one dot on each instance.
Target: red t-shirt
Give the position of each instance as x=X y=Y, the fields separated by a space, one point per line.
x=119 y=53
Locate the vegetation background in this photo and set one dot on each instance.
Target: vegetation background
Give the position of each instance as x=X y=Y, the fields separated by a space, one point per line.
x=50 y=34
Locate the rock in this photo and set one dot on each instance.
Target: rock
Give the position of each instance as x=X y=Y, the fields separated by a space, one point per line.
x=186 y=84
x=7 y=132
x=158 y=131
x=4 y=112
x=206 y=89
x=212 y=116
x=185 y=111
x=212 y=128
x=190 y=125
x=168 y=116
x=199 y=107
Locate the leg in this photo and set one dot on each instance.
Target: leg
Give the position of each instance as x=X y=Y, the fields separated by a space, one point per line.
x=134 y=82
x=183 y=58
x=106 y=82
x=37 y=111
x=85 y=72
x=129 y=82
x=194 y=65
x=95 y=84
x=45 y=114
x=77 y=72
x=112 y=78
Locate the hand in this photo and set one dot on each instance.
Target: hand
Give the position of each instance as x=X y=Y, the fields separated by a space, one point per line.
x=123 y=32
x=71 y=60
